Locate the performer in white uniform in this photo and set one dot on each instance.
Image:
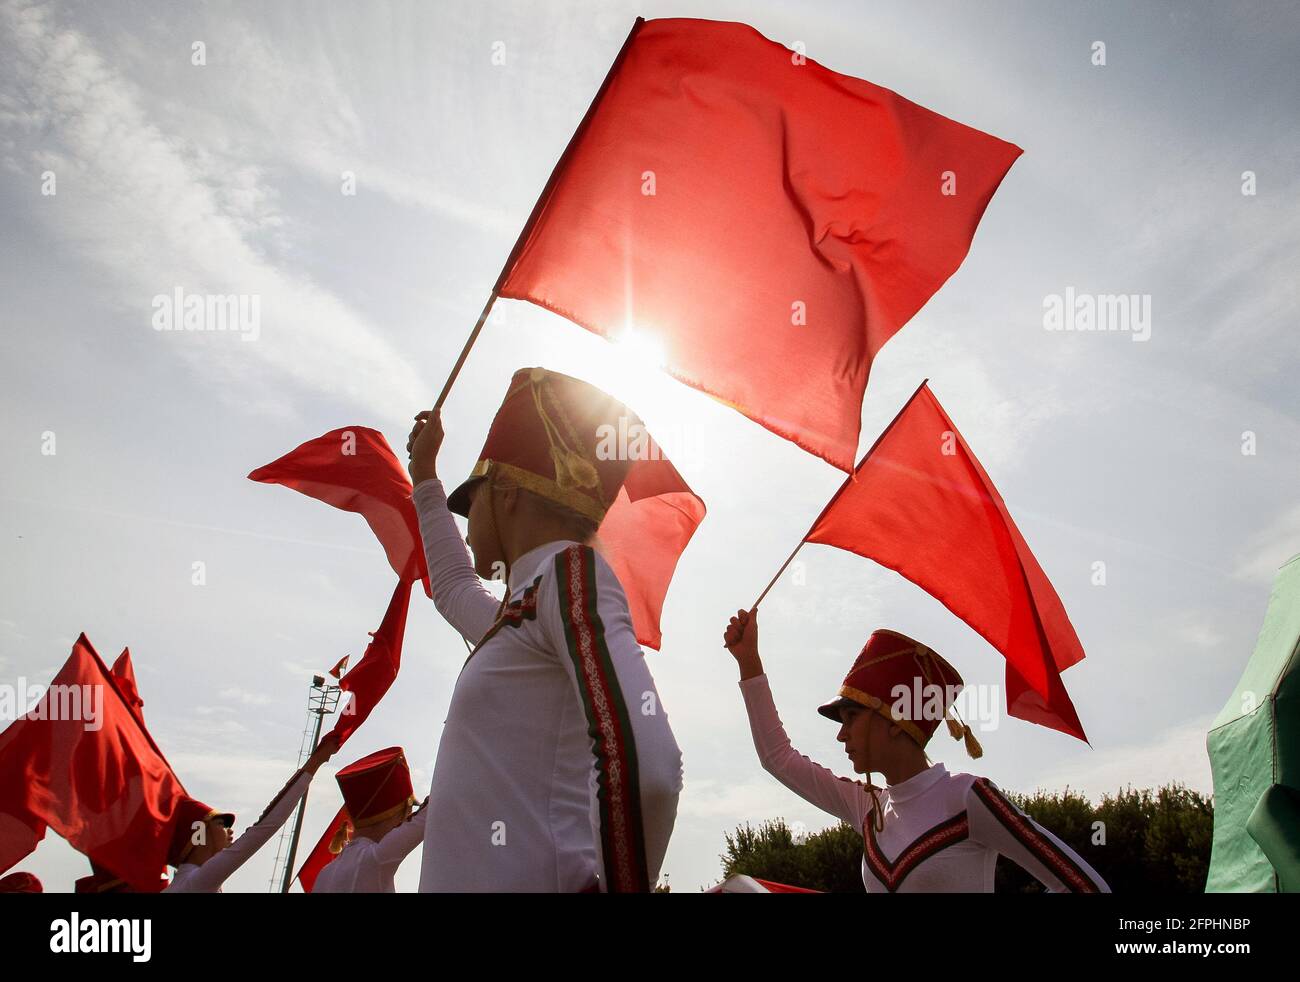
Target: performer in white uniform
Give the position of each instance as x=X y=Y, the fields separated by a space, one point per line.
x=929 y=830
x=557 y=770
x=377 y=795
x=203 y=866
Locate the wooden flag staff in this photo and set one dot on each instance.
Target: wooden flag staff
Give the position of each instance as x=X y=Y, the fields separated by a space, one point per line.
x=542 y=199
x=852 y=477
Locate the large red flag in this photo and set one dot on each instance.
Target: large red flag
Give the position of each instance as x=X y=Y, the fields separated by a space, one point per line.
x=770 y=222
x=643 y=535
x=921 y=504
x=82 y=764
x=354 y=469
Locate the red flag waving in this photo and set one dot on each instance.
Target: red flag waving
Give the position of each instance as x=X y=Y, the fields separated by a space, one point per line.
x=643 y=535
x=770 y=222
x=354 y=469
x=82 y=764
x=921 y=504
x=323 y=853
x=374 y=674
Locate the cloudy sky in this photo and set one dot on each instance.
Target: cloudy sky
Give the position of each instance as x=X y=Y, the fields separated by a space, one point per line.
x=226 y=177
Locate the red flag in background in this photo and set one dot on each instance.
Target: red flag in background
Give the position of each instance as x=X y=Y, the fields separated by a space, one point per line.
x=93 y=775
x=354 y=469
x=340 y=667
x=643 y=536
x=321 y=855
x=921 y=504
x=374 y=674
x=770 y=222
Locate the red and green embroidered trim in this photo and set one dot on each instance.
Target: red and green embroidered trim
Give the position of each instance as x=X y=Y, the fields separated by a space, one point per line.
x=1046 y=851
x=948 y=832
x=617 y=782
x=513 y=615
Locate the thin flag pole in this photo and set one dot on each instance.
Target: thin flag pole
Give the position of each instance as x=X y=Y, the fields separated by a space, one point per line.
x=536 y=213
x=835 y=497
x=464 y=352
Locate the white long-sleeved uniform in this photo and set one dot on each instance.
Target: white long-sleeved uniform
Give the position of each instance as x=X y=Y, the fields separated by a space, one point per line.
x=557 y=770
x=208 y=878
x=942 y=832
x=366 y=866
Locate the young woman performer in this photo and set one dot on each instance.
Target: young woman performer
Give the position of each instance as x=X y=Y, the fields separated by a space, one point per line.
x=929 y=830
x=557 y=770
x=381 y=829
x=206 y=853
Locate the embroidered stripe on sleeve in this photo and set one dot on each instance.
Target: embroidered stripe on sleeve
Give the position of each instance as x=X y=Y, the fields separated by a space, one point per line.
x=618 y=787
x=1044 y=850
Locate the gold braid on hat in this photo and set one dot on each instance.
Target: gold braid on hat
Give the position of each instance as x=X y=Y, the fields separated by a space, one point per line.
x=957 y=728
x=572 y=468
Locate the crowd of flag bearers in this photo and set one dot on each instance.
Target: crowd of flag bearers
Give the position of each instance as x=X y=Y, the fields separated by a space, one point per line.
x=557 y=769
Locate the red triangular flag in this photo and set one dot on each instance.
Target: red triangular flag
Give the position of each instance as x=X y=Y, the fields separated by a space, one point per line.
x=93 y=775
x=372 y=676
x=921 y=504
x=354 y=469
x=643 y=536
x=338 y=669
x=321 y=856
x=770 y=222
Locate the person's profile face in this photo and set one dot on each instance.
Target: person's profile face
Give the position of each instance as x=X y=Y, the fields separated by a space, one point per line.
x=855 y=734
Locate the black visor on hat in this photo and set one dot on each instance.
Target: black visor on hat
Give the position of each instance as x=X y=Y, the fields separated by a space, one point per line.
x=831 y=710
x=458 y=501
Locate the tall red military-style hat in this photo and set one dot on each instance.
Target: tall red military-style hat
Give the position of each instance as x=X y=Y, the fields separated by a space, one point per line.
x=890 y=660
x=188 y=812
x=21 y=882
x=551 y=436
x=376 y=787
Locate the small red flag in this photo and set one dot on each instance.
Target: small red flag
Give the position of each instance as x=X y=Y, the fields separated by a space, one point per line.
x=921 y=504
x=643 y=535
x=374 y=674
x=338 y=669
x=770 y=222
x=354 y=469
x=82 y=764
x=321 y=854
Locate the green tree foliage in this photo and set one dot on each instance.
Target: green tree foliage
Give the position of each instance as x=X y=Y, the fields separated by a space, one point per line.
x=1139 y=841
x=829 y=860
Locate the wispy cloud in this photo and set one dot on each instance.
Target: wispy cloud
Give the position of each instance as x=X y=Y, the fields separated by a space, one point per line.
x=159 y=212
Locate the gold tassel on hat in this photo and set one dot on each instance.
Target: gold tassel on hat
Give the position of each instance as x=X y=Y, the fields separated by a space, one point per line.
x=960 y=730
